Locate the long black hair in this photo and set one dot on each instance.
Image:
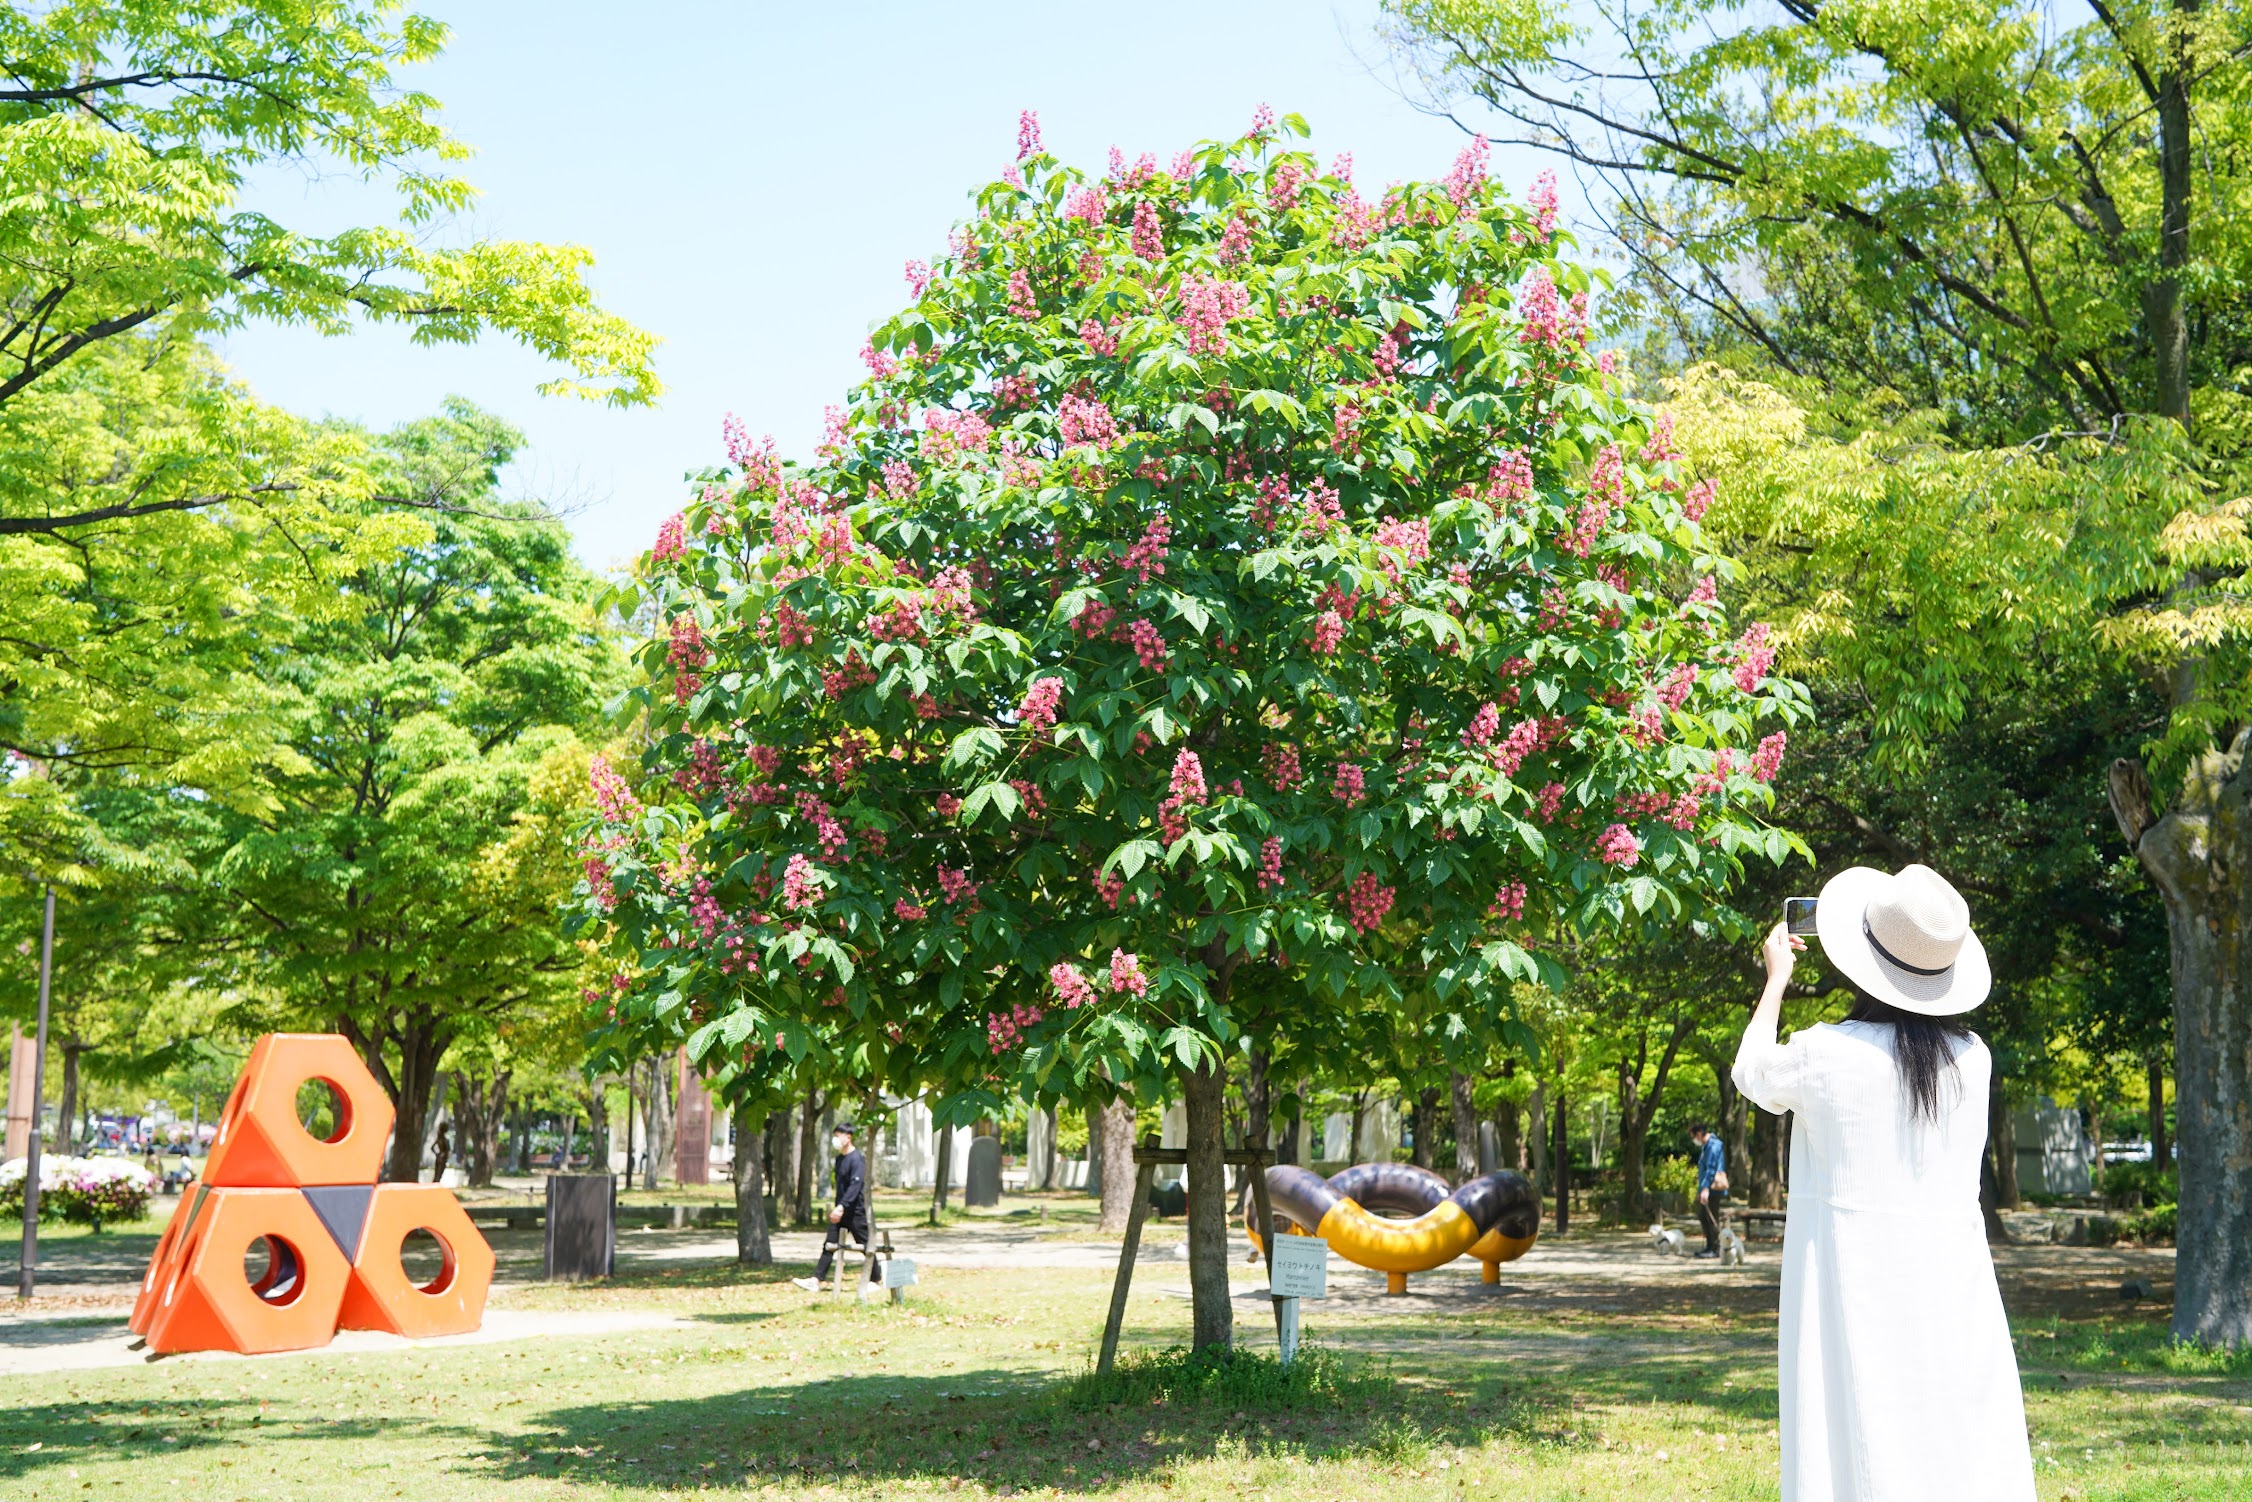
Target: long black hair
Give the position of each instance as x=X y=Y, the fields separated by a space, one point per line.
x=1923 y=1048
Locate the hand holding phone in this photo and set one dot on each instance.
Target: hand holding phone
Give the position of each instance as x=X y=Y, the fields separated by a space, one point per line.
x=1798 y=916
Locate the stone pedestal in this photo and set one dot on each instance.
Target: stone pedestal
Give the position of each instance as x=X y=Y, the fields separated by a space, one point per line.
x=982 y=1189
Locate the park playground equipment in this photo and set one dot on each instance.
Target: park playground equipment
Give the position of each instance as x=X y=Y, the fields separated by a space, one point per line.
x=333 y=1238
x=1494 y=1218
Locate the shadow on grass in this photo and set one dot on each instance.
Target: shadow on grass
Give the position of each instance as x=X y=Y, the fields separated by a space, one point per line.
x=39 y=1438
x=1002 y=1428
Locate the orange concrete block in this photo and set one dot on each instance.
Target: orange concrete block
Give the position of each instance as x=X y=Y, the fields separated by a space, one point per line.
x=161 y=1260
x=381 y=1295
x=209 y=1301
x=261 y=1143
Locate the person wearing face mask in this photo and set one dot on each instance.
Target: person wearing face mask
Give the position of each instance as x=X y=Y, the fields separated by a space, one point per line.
x=849 y=1216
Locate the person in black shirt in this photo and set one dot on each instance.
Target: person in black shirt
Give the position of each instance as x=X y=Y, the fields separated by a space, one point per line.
x=849 y=1215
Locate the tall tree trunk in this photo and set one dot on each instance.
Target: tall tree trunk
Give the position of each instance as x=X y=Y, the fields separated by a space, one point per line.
x=2197 y=856
x=1212 y=1317
x=2001 y=1138
x=598 y=1127
x=1255 y=1122
x=1459 y=1087
x=479 y=1106
x=782 y=1162
x=1510 y=1142
x=1115 y=1124
x=1766 y=1167
x=1734 y=1127
x=73 y=1046
x=410 y=1088
x=566 y=1136
x=809 y=1148
x=1426 y=1127
x=942 y=1180
x=1286 y=1142
x=1563 y=1162
x=2161 y=1150
x=753 y=1248
x=2164 y=305
x=662 y=1086
x=1536 y=1138
x=1353 y=1139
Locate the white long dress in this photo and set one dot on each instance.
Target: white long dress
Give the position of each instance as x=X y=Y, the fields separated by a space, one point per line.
x=1898 y=1380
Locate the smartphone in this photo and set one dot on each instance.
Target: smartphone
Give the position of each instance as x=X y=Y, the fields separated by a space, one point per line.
x=1798 y=915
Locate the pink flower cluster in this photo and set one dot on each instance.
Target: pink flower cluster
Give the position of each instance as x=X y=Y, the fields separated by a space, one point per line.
x=826 y=829
x=1282 y=766
x=1208 y=305
x=1022 y=303
x=1348 y=787
x=1093 y=618
x=687 y=656
x=1482 y=725
x=880 y=365
x=1188 y=792
x=1367 y=901
x=1617 y=846
x=1509 y=902
x=1149 y=646
x=1768 y=758
x=801 y=883
x=1523 y=740
x=1149 y=234
x=1072 y=988
x=1126 y=976
x=1606 y=491
x=1037 y=712
x=918 y=277
x=1698 y=500
x=947 y=805
x=1111 y=887
x=1083 y=420
x=612 y=798
x=1282 y=189
x=1541 y=198
x=1028 y=134
x=912 y=912
x=950 y=432
x=1103 y=340
x=1147 y=556
x=1411 y=540
x=1549 y=321
x=1468 y=175
x=1674 y=692
x=1660 y=449
x=1757 y=658
x=1355 y=221
x=956 y=884
x=1087 y=205
x=1711 y=783
x=1329 y=631
x=1235 y=240
x=672 y=539
x=1003 y=1030
x=1270 y=864
x=1551 y=798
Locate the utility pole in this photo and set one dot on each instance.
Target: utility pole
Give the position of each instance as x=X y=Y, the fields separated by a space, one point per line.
x=30 y=1257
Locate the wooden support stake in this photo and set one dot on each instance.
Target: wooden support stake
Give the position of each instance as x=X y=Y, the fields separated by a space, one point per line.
x=1267 y=1234
x=1144 y=1177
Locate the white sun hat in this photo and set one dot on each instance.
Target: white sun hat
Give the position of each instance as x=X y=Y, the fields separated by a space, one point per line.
x=1905 y=939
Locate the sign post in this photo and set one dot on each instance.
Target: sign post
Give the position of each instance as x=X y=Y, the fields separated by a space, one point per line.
x=1297 y=1268
x=30 y=1256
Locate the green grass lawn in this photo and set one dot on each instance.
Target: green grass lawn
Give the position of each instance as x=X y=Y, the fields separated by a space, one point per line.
x=968 y=1391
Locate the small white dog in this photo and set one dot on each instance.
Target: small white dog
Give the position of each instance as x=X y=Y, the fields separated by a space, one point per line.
x=1731 y=1248
x=1667 y=1242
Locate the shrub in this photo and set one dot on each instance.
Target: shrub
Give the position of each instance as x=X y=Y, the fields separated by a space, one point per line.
x=1218 y=1376
x=83 y=1191
x=1673 y=1176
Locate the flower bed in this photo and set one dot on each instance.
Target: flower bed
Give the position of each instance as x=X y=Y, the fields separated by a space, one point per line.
x=84 y=1191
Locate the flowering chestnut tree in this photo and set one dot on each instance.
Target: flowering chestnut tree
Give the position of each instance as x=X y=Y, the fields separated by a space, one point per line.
x=1226 y=585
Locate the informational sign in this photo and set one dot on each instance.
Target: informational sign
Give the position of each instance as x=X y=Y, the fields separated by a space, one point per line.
x=899 y=1273
x=1300 y=1268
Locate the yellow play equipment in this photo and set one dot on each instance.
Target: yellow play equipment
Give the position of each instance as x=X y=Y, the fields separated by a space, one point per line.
x=1494 y=1218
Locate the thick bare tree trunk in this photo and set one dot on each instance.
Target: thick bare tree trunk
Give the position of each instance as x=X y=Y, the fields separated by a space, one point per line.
x=1115 y=1125
x=69 y=1113
x=2198 y=856
x=1563 y=1162
x=598 y=1128
x=1766 y=1181
x=809 y=1122
x=2161 y=1150
x=782 y=1159
x=1465 y=1127
x=1212 y=1317
x=753 y=1248
x=662 y=1087
x=1426 y=1127
x=479 y=1108
x=568 y=1135
x=2001 y=1140
x=1536 y=1138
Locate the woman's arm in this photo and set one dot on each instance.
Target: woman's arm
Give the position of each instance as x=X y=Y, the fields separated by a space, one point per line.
x=1757 y=1072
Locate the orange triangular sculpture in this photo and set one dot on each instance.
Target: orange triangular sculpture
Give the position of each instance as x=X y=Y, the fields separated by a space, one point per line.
x=200 y=1293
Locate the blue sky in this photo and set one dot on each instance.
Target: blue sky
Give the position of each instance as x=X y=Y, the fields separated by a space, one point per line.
x=751 y=179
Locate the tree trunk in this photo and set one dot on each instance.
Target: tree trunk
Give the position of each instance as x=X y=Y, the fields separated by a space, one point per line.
x=479 y=1106
x=1212 y=1318
x=68 y=1115
x=411 y=1089
x=782 y=1161
x=1426 y=1127
x=1734 y=1128
x=1115 y=1124
x=942 y=1180
x=2197 y=856
x=597 y=1127
x=1563 y=1163
x=2161 y=1150
x=2164 y=307
x=1459 y=1087
x=1536 y=1138
x=1353 y=1140
x=662 y=1087
x=1766 y=1161
x=809 y=1122
x=2001 y=1138
x=1286 y=1145
x=1511 y=1142
x=1046 y=1167
x=566 y=1136
x=753 y=1248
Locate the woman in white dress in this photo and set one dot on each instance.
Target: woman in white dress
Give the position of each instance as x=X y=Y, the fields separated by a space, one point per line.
x=1899 y=1383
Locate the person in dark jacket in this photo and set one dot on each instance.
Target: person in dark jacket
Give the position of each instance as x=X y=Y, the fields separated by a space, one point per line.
x=849 y=1215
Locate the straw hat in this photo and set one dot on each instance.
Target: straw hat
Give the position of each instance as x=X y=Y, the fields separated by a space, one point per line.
x=1905 y=939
